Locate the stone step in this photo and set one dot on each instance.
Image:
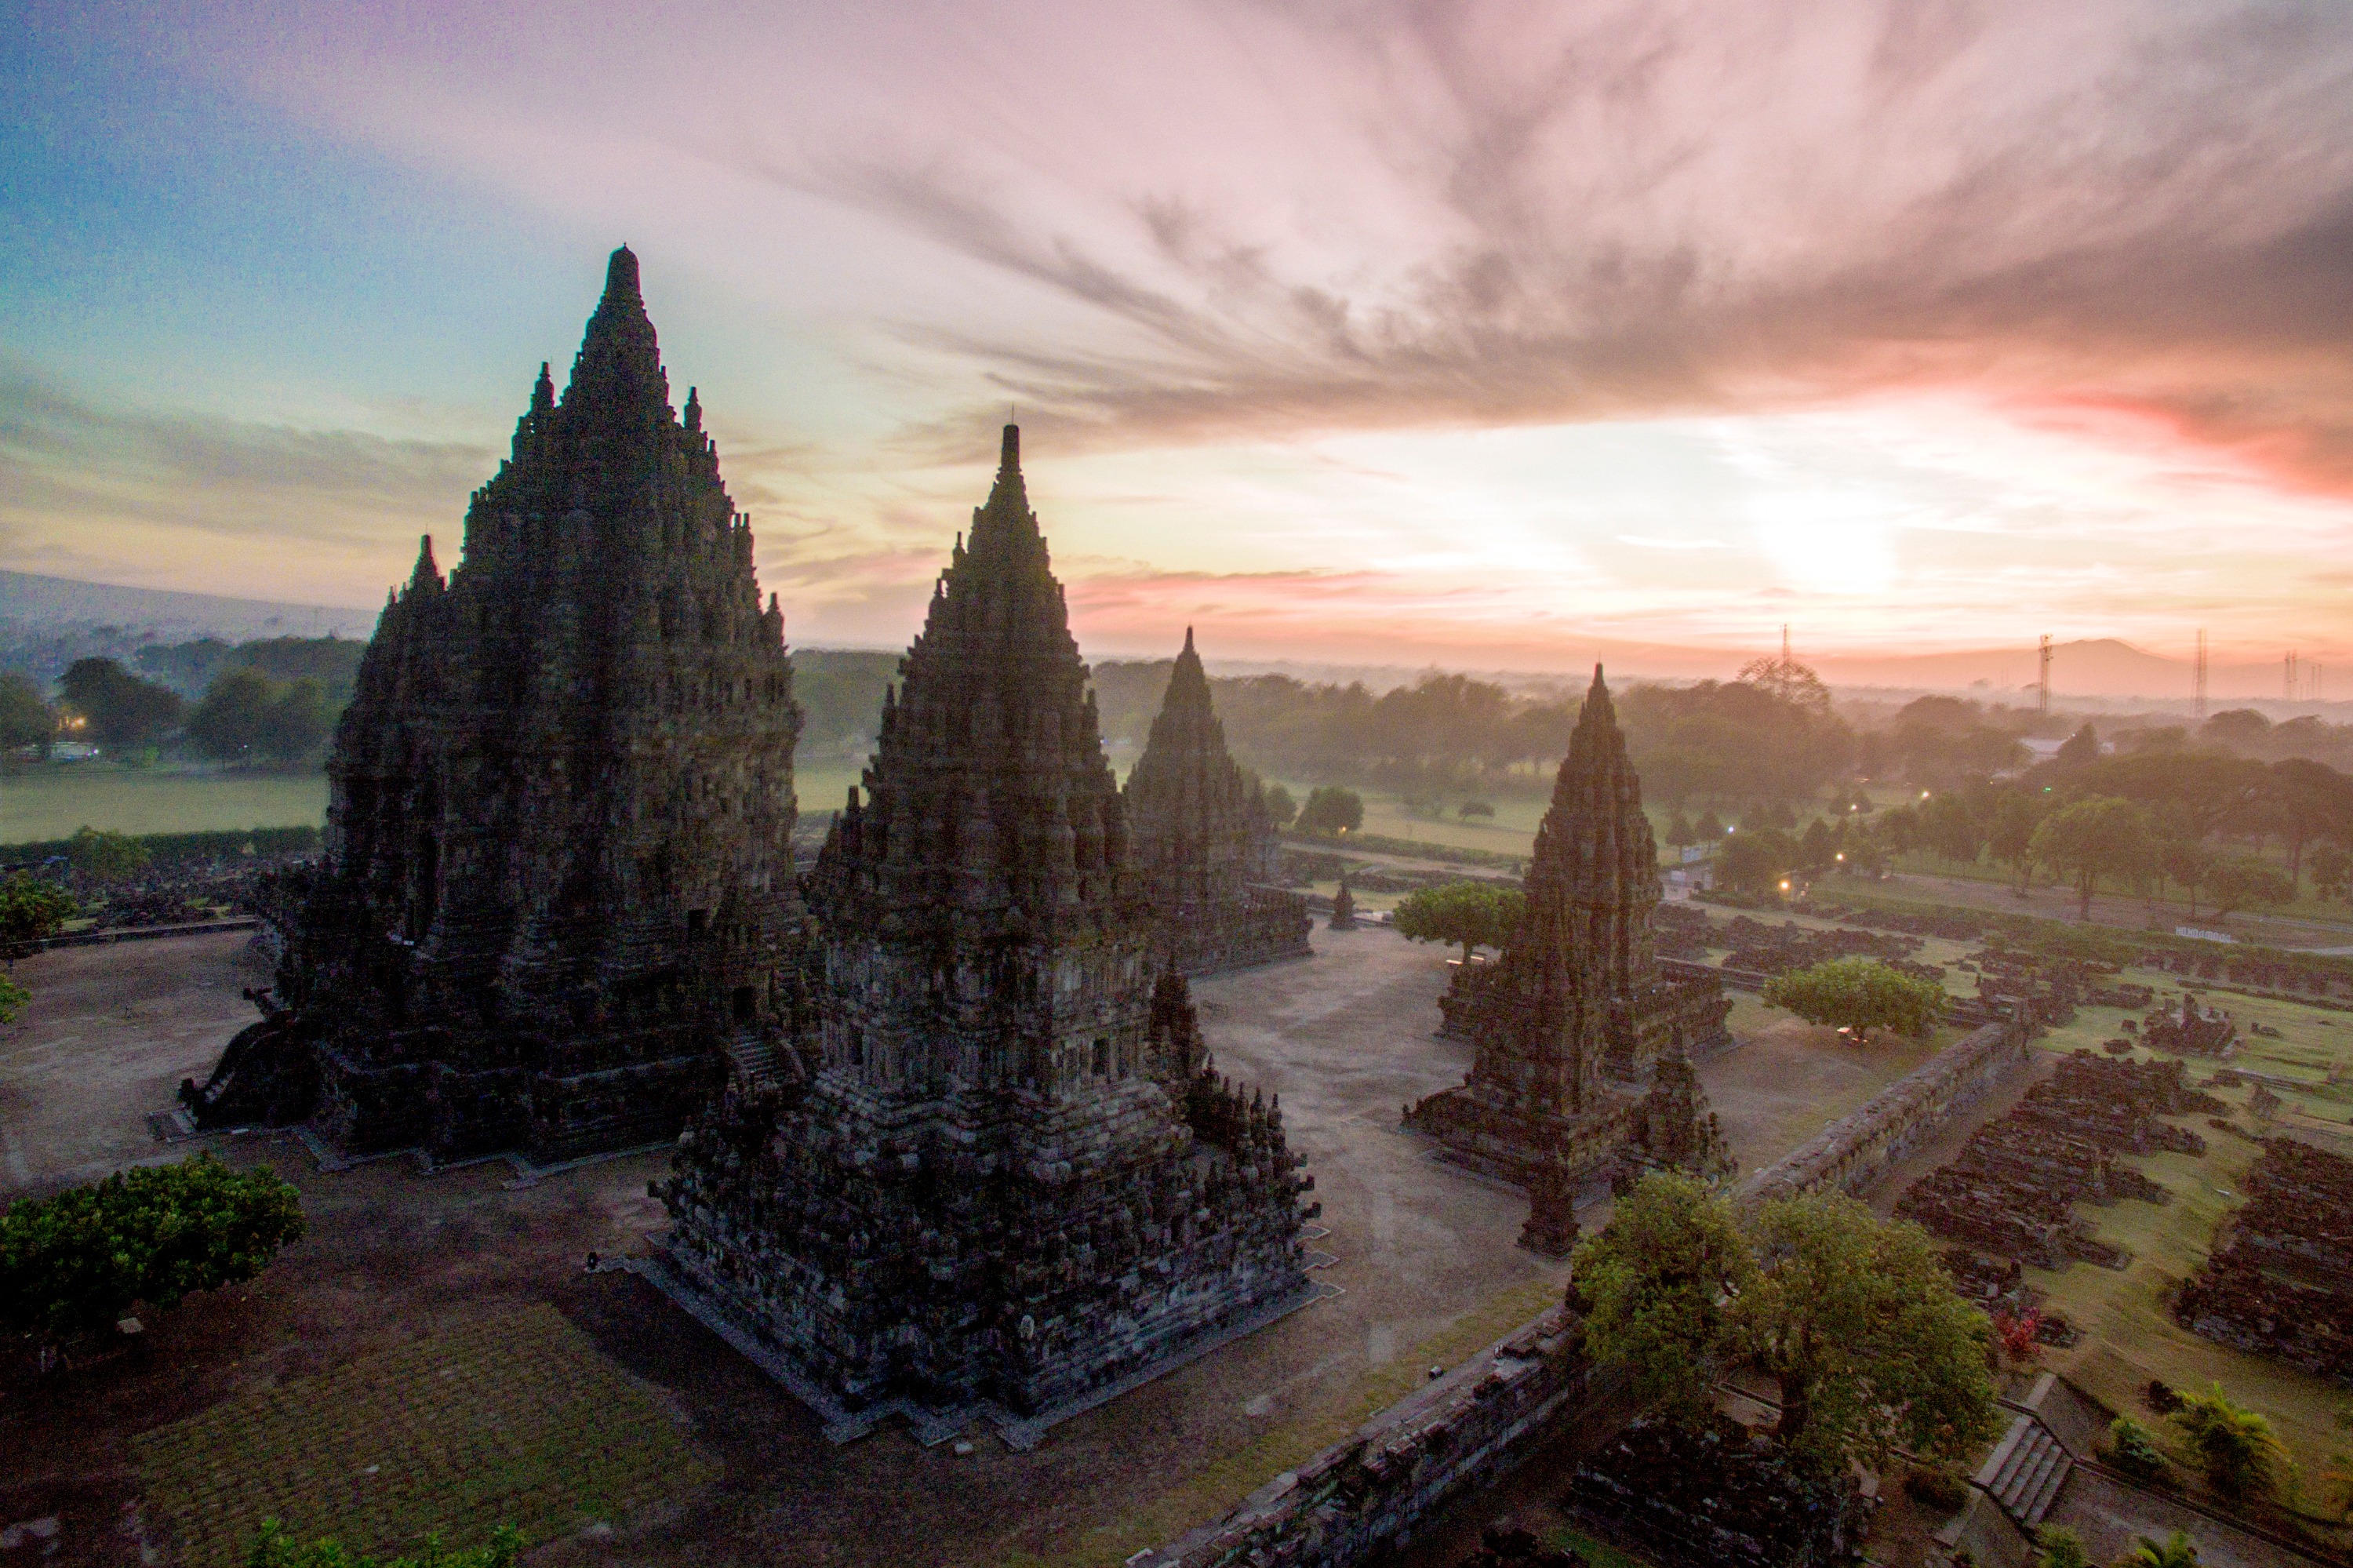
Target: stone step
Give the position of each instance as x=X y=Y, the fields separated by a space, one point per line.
x=754 y=1059
x=2025 y=1470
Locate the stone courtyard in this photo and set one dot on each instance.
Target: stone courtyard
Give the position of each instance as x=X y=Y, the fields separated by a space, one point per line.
x=1423 y=1253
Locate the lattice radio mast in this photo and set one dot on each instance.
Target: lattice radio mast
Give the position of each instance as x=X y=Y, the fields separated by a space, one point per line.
x=2043 y=682
x=2199 y=687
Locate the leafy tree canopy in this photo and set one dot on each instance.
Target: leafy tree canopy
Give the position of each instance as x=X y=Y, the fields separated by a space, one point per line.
x=1856 y=995
x=121 y=708
x=1474 y=913
x=30 y=910
x=2099 y=834
x=13 y=998
x=25 y=718
x=2242 y=1456
x=1853 y=1316
x=1280 y=809
x=1331 y=811
x=79 y=1261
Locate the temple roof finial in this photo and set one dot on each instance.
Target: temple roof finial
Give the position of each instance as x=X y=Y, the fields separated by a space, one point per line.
x=1008 y=457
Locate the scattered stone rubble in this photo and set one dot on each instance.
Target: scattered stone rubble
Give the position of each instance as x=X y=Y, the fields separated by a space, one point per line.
x=2012 y=1189
x=2282 y=1282
x=1713 y=1499
x=2189 y=1030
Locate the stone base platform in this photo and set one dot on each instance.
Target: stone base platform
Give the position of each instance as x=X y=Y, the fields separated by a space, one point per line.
x=1510 y=1145
x=931 y=1426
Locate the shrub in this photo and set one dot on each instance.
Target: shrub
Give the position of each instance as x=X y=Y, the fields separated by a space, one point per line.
x=2236 y=1448
x=106 y=856
x=2133 y=1449
x=30 y=910
x=79 y=1261
x=1331 y=810
x=273 y=1549
x=2060 y=1547
x=1935 y=1487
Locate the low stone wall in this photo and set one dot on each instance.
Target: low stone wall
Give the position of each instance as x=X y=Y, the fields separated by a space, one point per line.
x=1851 y=1152
x=1366 y=1494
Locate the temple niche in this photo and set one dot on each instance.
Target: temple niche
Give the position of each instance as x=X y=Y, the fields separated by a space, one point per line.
x=1204 y=845
x=1014 y=1179
x=1576 y=1005
x=557 y=885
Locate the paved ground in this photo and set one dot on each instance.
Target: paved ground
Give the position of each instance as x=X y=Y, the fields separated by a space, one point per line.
x=108 y=1037
x=1425 y=1260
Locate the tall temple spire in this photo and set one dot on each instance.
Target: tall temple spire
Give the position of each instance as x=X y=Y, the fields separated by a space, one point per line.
x=428 y=574
x=1005 y=521
x=618 y=371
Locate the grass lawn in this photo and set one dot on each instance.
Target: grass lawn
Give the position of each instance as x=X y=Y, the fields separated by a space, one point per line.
x=515 y=1419
x=50 y=802
x=1600 y=1554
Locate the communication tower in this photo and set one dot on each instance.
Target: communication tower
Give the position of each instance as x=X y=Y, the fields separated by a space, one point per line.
x=2043 y=682
x=2199 y=697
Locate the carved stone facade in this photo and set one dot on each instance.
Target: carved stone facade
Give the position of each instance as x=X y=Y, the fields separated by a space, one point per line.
x=1012 y=1177
x=1203 y=842
x=556 y=884
x=1577 y=997
x=1673 y=1129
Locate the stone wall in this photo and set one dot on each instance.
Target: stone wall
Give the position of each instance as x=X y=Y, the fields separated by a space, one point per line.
x=1366 y=1494
x=1851 y=1152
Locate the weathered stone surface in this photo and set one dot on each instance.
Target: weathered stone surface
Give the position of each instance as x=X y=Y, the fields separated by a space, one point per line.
x=1673 y=1129
x=556 y=881
x=2282 y=1282
x=1578 y=993
x=1012 y=1176
x=1204 y=845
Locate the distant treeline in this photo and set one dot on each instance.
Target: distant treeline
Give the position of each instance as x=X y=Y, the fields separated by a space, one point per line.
x=179 y=849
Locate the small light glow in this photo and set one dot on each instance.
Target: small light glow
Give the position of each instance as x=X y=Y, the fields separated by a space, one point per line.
x=1841 y=854
x=1785 y=884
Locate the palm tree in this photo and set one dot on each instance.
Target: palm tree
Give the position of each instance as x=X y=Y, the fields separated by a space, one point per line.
x=2236 y=1447
x=2175 y=1551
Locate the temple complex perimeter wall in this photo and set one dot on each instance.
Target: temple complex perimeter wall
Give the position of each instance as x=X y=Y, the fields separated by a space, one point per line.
x=1367 y=1493
x=1853 y=1151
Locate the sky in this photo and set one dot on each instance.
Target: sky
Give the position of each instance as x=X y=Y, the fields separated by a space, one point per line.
x=1486 y=335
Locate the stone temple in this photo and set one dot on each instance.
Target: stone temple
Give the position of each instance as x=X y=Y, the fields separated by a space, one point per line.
x=557 y=882
x=1012 y=1179
x=1577 y=999
x=1203 y=844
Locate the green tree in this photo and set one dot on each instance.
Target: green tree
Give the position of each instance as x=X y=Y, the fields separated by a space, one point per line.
x=2176 y=1551
x=1280 y=809
x=105 y=855
x=1678 y=831
x=80 y=1260
x=298 y=721
x=1474 y=913
x=1818 y=846
x=13 y=998
x=1755 y=861
x=2242 y=1459
x=1469 y=809
x=25 y=718
x=1654 y=1285
x=2081 y=748
x=1332 y=811
x=2188 y=862
x=1853 y=1315
x=272 y=1548
x=1708 y=830
x=1856 y=995
x=122 y=709
x=2243 y=880
x=2099 y=834
x=229 y=723
x=1950 y=829
x=31 y=910
x=2332 y=871
x=1857 y=1321
x=2011 y=835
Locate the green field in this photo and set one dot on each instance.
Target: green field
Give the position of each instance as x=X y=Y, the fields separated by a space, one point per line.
x=515 y=1418
x=50 y=802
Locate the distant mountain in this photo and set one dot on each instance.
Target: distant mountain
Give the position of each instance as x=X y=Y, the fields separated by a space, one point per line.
x=34 y=604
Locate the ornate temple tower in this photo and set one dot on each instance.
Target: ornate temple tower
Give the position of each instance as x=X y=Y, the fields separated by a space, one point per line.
x=1012 y=1179
x=557 y=882
x=1578 y=993
x=1204 y=845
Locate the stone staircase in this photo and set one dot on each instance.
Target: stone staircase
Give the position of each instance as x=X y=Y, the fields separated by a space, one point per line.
x=754 y=1059
x=2025 y=1471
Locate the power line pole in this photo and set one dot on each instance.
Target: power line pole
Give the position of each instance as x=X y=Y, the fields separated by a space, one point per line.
x=2042 y=682
x=2200 y=687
